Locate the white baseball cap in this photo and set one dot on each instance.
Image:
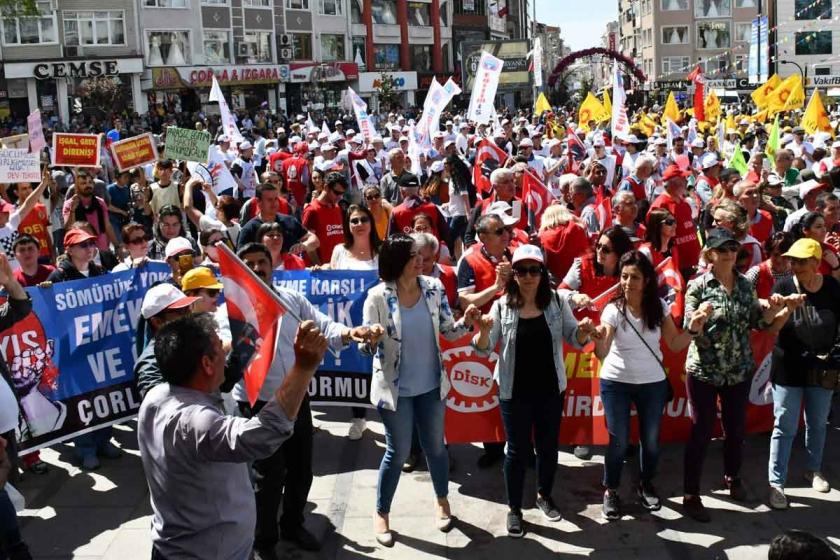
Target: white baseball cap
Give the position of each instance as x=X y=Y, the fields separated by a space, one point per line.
x=436 y=166
x=527 y=253
x=709 y=160
x=503 y=210
x=327 y=147
x=698 y=143
x=526 y=142
x=164 y=297
x=177 y=245
x=245 y=146
x=809 y=186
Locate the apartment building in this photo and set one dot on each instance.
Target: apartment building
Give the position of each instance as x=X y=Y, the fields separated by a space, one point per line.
x=808 y=38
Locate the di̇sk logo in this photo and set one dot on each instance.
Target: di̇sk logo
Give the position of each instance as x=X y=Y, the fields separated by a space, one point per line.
x=471 y=377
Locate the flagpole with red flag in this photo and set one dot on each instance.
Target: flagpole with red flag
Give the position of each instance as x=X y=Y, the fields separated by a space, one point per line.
x=699 y=82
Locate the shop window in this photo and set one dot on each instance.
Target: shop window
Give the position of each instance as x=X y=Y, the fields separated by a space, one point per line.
x=31 y=30
x=165 y=3
x=331 y=7
x=258 y=3
x=168 y=48
x=713 y=35
x=675 y=35
x=216 y=47
x=387 y=57
x=421 y=58
x=712 y=8
x=813 y=42
x=384 y=11
x=743 y=32
x=94 y=28
x=297 y=4
x=256 y=46
x=359 y=51
x=332 y=48
x=812 y=9
x=302 y=45
x=419 y=13
x=356 y=11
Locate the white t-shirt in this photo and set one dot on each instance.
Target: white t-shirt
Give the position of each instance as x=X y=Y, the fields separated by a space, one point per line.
x=343 y=260
x=628 y=360
x=8 y=235
x=8 y=408
x=457 y=204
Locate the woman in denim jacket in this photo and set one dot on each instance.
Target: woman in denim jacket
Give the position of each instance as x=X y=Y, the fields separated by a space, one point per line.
x=408 y=392
x=532 y=322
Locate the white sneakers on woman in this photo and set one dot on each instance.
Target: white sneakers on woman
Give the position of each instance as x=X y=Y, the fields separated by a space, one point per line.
x=357 y=429
x=778 y=500
x=818 y=482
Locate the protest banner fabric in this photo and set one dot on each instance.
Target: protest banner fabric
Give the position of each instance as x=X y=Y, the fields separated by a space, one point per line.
x=186 y=144
x=134 y=151
x=228 y=122
x=619 y=122
x=36 y=132
x=75 y=150
x=20 y=165
x=484 y=89
x=72 y=358
x=363 y=120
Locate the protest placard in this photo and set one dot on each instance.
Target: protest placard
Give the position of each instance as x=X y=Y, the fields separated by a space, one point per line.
x=18 y=141
x=75 y=150
x=36 y=132
x=187 y=144
x=19 y=165
x=134 y=151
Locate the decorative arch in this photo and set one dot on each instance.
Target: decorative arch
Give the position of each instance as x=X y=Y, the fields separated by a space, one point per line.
x=568 y=60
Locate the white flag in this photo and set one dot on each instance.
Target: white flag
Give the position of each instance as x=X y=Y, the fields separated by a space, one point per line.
x=228 y=123
x=537 y=53
x=362 y=117
x=414 y=152
x=310 y=124
x=484 y=88
x=324 y=128
x=620 y=122
x=437 y=99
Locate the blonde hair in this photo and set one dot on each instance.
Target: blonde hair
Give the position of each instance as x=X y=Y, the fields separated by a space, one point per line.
x=555 y=215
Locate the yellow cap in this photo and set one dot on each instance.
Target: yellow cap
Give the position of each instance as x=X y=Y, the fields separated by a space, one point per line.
x=805 y=249
x=198 y=278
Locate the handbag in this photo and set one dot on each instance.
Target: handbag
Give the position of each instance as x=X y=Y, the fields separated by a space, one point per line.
x=670 y=394
x=822 y=369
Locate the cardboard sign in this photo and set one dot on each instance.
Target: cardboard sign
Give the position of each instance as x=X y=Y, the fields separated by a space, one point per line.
x=18 y=141
x=19 y=165
x=36 y=132
x=186 y=144
x=134 y=151
x=75 y=150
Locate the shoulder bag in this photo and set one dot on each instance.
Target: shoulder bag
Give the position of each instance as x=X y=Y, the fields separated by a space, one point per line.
x=670 y=395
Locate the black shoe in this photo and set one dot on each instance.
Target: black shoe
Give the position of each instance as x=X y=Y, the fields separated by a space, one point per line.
x=410 y=463
x=549 y=508
x=648 y=496
x=514 y=524
x=302 y=538
x=265 y=553
x=694 y=508
x=488 y=459
x=612 y=506
x=736 y=489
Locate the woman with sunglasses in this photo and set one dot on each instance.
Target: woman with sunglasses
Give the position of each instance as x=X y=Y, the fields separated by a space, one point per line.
x=379 y=208
x=533 y=323
x=720 y=364
x=136 y=241
x=659 y=237
x=270 y=234
x=797 y=379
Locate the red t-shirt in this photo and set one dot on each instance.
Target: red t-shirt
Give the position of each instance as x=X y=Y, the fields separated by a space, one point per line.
x=562 y=245
x=37 y=224
x=41 y=275
x=686 y=234
x=402 y=217
x=762 y=229
x=275 y=160
x=292 y=262
x=327 y=223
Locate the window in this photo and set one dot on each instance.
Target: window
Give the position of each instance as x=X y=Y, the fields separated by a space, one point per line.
x=302 y=46
x=165 y=3
x=444 y=14
x=745 y=3
x=813 y=42
x=216 y=47
x=713 y=35
x=297 y=4
x=812 y=9
x=331 y=7
x=470 y=7
x=384 y=11
x=214 y=2
x=675 y=35
x=740 y=64
x=31 y=30
x=674 y=5
x=359 y=51
x=822 y=71
x=712 y=8
x=743 y=32
x=257 y=3
x=446 y=66
x=168 y=48
x=674 y=64
x=94 y=28
x=256 y=46
x=386 y=57
x=421 y=58
x=356 y=11
x=332 y=48
x=419 y=13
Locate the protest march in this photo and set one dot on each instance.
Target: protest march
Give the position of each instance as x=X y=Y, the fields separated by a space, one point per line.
x=606 y=277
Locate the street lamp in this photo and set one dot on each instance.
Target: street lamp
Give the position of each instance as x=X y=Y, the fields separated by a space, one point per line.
x=802 y=73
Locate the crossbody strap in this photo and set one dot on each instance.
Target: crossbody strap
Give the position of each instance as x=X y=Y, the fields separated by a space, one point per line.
x=635 y=330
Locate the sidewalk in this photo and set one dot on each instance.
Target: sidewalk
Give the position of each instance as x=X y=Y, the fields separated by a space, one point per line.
x=105 y=515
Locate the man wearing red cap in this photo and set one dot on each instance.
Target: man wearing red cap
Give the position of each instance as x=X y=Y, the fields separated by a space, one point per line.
x=673 y=200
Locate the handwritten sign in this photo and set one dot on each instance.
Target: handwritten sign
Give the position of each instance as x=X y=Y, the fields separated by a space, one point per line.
x=18 y=141
x=75 y=150
x=36 y=132
x=187 y=144
x=19 y=165
x=134 y=151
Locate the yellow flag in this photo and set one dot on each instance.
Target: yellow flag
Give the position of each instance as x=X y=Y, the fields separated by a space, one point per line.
x=759 y=96
x=760 y=117
x=591 y=110
x=789 y=95
x=646 y=125
x=712 y=106
x=730 y=122
x=815 y=118
x=542 y=105
x=607 y=102
x=672 y=111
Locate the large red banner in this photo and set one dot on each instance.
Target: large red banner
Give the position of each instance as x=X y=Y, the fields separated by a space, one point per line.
x=75 y=150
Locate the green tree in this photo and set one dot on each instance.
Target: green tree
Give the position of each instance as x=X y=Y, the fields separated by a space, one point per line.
x=19 y=7
x=387 y=91
x=102 y=93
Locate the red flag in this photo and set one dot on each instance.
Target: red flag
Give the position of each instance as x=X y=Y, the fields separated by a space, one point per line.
x=699 y=81
x=253 y=311
x=488 y=157
x=576 y=152
x=536 y=197
x=669 y=276
x=603 y=209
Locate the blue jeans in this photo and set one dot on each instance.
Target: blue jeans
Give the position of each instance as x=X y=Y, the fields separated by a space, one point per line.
x=12 y=546
x=787 y=403
x=426 y=411
x=91 y=443
x=649 y=399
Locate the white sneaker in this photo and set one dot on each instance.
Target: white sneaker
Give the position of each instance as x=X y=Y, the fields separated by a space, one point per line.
x=778 y=500
x=818 y=482
x=357 y=429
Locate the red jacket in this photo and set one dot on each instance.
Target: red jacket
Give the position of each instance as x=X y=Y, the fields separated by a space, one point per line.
x=562 y=245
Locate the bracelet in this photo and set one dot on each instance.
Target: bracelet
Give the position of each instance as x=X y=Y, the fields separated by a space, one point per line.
x=694 y=334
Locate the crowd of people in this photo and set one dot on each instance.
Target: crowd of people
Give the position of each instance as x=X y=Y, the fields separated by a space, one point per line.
x=459 y=247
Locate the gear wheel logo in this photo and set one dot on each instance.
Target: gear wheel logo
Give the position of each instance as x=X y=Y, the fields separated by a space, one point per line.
x=471 y=377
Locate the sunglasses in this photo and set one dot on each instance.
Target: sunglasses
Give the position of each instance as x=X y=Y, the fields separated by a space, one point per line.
x=499 y=231
x=338 y=192
x=373 y=196
x=606 y=249
x=535 y=270
x=669 y=222
x=359 y=221
x=85 y=244
x=138 y=240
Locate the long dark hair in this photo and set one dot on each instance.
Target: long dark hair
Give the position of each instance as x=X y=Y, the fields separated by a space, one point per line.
x=621 y=245
x=375 y=242
x=542 y=299
x=653 y=235
x=461 y=176
x=652 y=313
x=806 y=222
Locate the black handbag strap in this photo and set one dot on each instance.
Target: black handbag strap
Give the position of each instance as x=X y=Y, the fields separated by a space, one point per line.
x=635 y=330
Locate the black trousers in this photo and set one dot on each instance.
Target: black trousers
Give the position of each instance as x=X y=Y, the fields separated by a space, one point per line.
x=285 y=476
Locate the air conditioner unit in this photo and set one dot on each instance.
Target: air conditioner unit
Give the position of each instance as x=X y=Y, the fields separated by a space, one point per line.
x=286 y=53
x=72 y=52
x=246 y=48
x=285 y=40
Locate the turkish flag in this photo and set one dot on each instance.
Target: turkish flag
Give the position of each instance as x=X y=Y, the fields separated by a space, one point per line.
x=536 y=197
x=488 y=157
x=668 y=276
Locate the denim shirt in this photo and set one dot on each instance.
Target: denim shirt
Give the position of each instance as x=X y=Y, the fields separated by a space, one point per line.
x=561 y=323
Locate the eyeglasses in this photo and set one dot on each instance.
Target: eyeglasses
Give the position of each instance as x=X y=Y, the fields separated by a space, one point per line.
x=376 y=196
x=359 y=221
x=669 y=222
x=535 y=270
x=606 y=249
x=86 y=244
x=138 y=240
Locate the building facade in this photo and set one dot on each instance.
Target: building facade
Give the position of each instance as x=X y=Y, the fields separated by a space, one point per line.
x=808 y=38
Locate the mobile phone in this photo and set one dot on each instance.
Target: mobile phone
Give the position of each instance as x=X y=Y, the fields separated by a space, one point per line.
x=185 y=263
